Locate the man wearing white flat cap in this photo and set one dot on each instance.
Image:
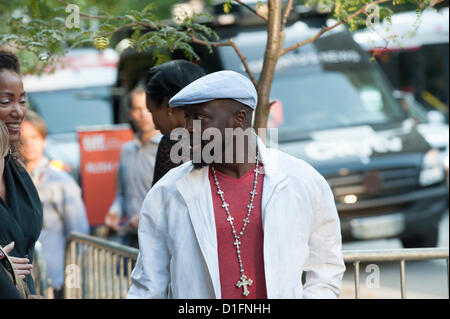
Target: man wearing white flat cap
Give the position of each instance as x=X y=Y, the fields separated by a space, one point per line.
x=236 y=229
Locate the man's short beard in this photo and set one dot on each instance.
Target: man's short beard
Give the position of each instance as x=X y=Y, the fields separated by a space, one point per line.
x=200 y=165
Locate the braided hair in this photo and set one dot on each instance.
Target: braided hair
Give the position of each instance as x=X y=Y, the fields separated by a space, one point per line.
x=9 y=61
x=169 y=78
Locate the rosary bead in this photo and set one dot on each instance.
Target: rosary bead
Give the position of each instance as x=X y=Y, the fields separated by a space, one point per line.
x=237 y=243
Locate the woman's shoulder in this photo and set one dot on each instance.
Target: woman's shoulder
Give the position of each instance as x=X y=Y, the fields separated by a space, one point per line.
x=166 y=140
x=17 y=168
x=165 y=145
x=25 y=203
x=21 y=181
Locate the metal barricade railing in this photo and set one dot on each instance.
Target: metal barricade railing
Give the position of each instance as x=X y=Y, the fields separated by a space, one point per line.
x=97 y=268
x=395 y=255
x=42 y=282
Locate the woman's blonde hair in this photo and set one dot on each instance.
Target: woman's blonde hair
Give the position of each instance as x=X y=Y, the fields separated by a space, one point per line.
x=4 y=139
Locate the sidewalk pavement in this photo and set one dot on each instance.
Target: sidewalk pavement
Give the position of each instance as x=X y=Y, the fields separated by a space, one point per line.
x=348 y=292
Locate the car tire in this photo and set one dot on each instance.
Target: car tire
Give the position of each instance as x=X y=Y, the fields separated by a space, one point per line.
x=428 y=239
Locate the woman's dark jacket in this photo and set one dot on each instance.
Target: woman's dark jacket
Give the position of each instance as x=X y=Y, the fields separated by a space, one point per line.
x=21 y=214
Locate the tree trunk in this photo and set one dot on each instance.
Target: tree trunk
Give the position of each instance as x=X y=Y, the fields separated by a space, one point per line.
x=275 y=42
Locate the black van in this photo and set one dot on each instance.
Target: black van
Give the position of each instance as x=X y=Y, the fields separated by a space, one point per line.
x=336 y=111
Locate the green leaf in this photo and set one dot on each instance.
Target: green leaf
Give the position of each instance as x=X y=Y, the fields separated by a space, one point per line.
x=227 y=7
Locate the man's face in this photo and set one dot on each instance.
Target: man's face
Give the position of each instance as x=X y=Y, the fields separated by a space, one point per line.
x=213 y=114
x=33 y=142
x=140 y=115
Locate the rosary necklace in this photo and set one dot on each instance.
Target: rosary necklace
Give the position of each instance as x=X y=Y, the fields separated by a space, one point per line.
x=243 y=282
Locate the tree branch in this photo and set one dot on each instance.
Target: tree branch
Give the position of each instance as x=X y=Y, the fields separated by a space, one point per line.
x=435 y=2
x=130 y=25
x=326 y=29
x=252 y=10
x=287 y=11
x=386 y=41
x=229 y=43
x=244 y=62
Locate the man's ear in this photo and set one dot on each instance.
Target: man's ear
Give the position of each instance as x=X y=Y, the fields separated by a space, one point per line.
x=165 y=104
x=241 y=119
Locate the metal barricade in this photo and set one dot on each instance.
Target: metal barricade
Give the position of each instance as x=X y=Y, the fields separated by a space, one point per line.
x=396 y=255
x=97 y=268
x=42 y=282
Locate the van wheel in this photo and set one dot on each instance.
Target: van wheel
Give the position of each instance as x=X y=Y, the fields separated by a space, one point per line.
x=428 y=239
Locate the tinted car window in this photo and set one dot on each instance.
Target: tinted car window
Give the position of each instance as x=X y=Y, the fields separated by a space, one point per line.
x=65 y=110
x=323 y=100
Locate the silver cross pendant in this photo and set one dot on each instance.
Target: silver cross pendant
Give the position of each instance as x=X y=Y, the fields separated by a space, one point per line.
x=243 y=283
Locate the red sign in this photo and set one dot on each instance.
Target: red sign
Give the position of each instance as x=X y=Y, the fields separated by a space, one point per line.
x=99 y=162
x=276 y=115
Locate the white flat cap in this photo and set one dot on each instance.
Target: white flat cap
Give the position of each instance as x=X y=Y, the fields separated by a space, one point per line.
x=217 y=85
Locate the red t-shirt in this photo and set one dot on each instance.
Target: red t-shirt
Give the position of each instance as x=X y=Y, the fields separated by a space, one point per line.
x=236 y=193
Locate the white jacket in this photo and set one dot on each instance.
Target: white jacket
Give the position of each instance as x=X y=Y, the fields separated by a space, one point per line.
x=178 y=242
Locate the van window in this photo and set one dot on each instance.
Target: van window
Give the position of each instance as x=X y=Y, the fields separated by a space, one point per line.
x=65 y=110
x=418 y=70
